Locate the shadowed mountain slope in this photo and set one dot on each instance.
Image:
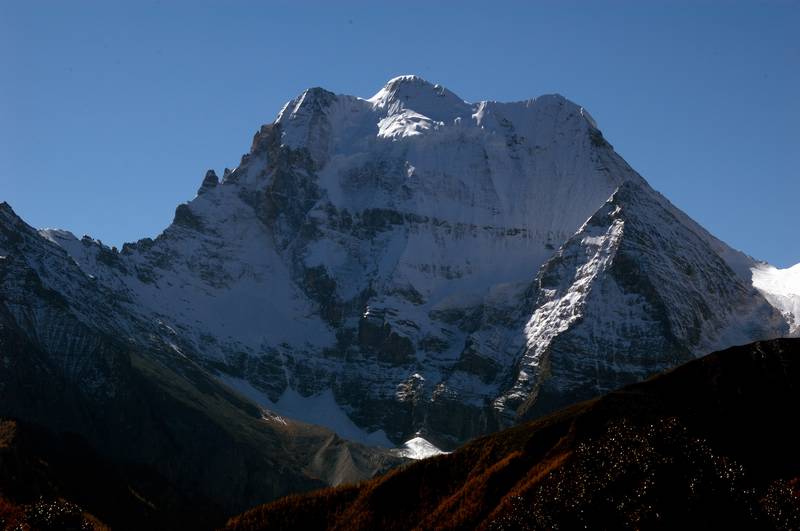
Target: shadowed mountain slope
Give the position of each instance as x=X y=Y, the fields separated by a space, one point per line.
x=74 y=362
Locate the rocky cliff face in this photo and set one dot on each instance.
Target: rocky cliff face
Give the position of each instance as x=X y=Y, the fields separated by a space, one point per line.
x=413 y=259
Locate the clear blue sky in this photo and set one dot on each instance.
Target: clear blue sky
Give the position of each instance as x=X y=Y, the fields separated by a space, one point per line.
x=111 y=112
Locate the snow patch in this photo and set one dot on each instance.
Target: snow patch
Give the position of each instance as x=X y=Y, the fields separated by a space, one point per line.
x=419 y=448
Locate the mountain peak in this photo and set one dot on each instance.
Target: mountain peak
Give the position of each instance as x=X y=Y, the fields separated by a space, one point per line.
x=5 y=207
x=209 y=181
x=408 y=78
x=405 y=83
x=311 y=101
x=411 y=92
x=7 y=213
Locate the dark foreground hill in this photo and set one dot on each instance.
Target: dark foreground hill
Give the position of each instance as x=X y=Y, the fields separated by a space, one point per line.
x=711 y=444
x=51 y=480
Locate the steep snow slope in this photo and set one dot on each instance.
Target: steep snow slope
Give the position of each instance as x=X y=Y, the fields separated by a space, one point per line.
x=383 y=250
x=781 y=287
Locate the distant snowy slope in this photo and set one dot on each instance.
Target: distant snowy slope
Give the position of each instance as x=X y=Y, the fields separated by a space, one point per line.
x=320 y=409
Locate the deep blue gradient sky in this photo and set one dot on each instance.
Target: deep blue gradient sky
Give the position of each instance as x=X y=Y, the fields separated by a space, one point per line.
x=110 y=113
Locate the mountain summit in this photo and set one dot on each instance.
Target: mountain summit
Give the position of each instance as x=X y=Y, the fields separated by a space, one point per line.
x=412 y=93
x=413 y=265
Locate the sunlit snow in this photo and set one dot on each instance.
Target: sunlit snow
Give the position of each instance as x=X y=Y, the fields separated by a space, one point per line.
x=419 y=448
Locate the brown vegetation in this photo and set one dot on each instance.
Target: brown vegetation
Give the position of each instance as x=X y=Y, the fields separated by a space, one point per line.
x=710 y=444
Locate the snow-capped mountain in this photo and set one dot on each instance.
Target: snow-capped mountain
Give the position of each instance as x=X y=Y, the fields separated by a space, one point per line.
x=424 y=265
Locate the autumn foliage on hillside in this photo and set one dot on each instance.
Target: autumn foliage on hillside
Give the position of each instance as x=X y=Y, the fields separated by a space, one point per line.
x=710 y=445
